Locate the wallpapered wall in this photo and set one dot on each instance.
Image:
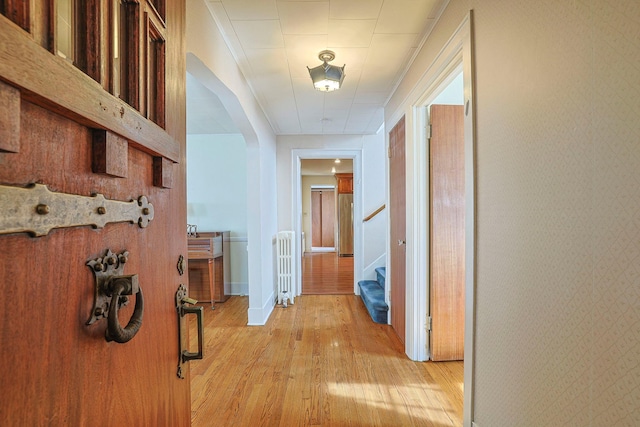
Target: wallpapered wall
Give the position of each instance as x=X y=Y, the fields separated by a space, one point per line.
x=558 y=293
x=558 y=209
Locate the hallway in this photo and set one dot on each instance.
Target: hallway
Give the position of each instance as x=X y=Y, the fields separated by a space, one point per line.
x=319 y=362
x=326 y=273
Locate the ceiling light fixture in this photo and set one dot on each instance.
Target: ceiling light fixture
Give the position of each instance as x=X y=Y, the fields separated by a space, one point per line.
x=336 y=161
x=325 y=77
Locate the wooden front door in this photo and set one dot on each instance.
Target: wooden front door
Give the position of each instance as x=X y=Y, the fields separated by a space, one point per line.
x=323 y=206
x=85 y=115
x=398 y=219
x=447 y=203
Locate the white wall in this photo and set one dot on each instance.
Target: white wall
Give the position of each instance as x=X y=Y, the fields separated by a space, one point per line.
x=372 y=186
x=210 y=61
x=557 y=322
x=217 y=195
x=374 y=183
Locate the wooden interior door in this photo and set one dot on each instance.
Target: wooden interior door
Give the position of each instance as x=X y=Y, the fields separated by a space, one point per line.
x=447 y=203
x=323 y=218
x=398 y=219
x=328 y=218
x=61 y=125
x=316 y=219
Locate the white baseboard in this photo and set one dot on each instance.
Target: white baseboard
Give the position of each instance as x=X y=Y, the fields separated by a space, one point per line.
x=259 y=316
x=315 y=249
x=239 y=288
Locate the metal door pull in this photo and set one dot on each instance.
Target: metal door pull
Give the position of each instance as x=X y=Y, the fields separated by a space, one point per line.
x=112 y=288
x=37 y=210
x=184 y=355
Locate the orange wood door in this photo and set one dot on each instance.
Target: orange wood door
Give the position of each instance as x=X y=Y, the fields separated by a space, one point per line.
x=316 y=219
x=328 y=218
x=56 y=369
x=322 y=218
x=447 y=232
x=397 y=217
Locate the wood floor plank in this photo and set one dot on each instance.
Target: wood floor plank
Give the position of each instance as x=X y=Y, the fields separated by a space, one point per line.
x=319 y=362
x=326 y=273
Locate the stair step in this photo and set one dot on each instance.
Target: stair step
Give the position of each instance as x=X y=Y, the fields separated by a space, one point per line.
x=381 y=273
x=372 y=295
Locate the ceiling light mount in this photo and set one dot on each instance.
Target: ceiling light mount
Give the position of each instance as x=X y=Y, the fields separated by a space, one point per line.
x=326 y=77
x=326 y=56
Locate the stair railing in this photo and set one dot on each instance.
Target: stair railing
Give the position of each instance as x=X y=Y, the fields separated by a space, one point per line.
x=374 y=213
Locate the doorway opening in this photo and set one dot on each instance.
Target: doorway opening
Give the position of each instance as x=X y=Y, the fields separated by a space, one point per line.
x=216 y=196
x=454 y=58
x=327 y=224
x=303 y=177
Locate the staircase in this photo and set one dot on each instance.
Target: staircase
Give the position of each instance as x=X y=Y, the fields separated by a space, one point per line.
x=372 y=294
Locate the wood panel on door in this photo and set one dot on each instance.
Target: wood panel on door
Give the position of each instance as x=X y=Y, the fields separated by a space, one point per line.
x=447 y=206
x=397 y=218
x=328 y=218
x=56 y=370
x=323 y=218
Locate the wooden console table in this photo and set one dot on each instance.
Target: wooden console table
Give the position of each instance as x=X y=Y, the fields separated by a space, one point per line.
x=209 y=275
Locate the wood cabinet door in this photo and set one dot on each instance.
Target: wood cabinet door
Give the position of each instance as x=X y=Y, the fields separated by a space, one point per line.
x=447 y=202
x=54 y=121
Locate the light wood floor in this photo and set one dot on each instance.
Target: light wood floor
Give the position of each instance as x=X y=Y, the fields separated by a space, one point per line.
x=319 y=362
x=326 y=273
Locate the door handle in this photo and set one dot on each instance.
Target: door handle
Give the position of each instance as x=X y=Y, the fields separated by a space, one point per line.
x=112 y=289
x=183 y=309
x=186 y=354
x=124 y=286
x=401 y=242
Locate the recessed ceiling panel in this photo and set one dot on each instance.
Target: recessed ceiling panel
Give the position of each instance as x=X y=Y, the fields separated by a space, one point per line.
x=355 y=9
x=250 y=10
x=377 y=98
x=352 y=57
x=351 y=32
x=268 y=62
x=333 y=103
x=362 y=112
x=304 y=17
x=259 y=34
x=403 y=16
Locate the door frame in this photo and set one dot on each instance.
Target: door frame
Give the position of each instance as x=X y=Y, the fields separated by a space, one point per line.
x=456 y=55
x=296 y=206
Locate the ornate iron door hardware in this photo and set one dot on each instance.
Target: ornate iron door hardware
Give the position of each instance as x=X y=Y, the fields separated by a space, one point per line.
x=112 y=292
x=182 y=265
x=37 y=210
x=184 y=355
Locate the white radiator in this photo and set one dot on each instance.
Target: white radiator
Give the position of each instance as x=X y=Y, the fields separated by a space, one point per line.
x=286 y=253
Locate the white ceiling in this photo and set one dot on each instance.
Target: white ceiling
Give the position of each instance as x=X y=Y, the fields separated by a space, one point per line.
x=274 y=41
